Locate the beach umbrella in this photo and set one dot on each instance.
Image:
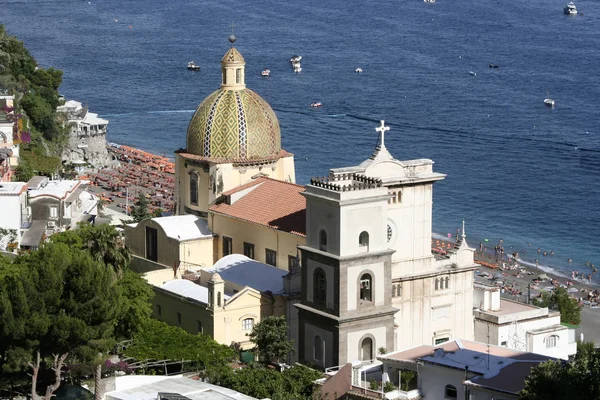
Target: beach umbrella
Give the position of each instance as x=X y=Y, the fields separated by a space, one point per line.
x=543 y=276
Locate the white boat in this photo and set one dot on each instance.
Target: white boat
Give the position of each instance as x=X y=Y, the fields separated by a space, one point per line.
x=473 y=73
x=266 y=72
x=429 y=1
x=297 y=67
x=548 y=101
x=192 y=65
x=358 y=70
x=295 y=59
x=570 y=9
x=316 y=105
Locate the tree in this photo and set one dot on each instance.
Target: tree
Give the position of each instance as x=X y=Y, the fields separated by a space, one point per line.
x=560 y=380
x=569 y=308
x=139 y=211
x=271 y=339
x=56 y=302
x=24 y=172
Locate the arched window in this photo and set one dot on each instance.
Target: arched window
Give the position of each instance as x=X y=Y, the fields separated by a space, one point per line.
x=399 y=291
x=318 y=348
x=365 y=287
x=238 y=75
x=363 y=239
x=447 y=280
x=247 y=324
x=437 y=283
x=194 y=188
x=219 y=299
x=450 y=392
x=320 y=286
x=551 y=341
x=322 y=240
x=366 y=349
x=224 y=73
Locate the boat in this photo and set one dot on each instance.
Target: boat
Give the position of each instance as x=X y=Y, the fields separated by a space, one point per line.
x=358 y=70
x=295 y=59
x=266 y=72
x=429 y=1
x=570 y=9
x=316 y=105
x=548 y=101
x=297 y=67
x=192 y=66
x=493 y=66
x=473 y=73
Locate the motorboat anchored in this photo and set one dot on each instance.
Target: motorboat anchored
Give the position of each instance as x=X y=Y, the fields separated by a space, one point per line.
x=316 y=105
x=266 y=72
x=570 y=9
x=192 y=66
x=358 y=70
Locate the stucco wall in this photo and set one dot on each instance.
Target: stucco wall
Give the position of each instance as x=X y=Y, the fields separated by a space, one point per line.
x=261 y=236
x=169 y=251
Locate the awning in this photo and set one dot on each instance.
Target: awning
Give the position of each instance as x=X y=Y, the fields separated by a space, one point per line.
x=33 y=235
x=247 y=357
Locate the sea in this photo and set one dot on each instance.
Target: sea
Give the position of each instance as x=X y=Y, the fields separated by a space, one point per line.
x=516 y=169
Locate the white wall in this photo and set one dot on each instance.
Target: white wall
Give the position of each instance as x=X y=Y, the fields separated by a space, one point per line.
x=354 y=339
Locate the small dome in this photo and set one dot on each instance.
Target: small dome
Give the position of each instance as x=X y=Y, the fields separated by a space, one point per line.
x=234 y=124
x=215 y=277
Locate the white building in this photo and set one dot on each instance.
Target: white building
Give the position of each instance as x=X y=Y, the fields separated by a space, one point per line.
x=87 y=136
x=138 y=387
x=15 y=217
x=520 y=326
x=459 y=369
x=9 y=151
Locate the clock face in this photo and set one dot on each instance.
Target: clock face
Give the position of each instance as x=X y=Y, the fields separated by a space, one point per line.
x=390 y=233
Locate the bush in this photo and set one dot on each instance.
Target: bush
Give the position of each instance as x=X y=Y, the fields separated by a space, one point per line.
x=373 y=385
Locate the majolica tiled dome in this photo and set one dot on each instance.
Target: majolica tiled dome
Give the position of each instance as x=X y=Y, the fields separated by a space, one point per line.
x=234 y=122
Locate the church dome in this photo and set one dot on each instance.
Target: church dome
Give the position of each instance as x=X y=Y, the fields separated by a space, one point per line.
x=234 y=122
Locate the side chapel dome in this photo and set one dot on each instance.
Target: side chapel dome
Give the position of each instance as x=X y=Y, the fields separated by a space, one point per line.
x=234 y=122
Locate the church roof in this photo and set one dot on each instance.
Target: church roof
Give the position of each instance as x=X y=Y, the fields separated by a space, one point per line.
x=269 y=202
x=233 y=56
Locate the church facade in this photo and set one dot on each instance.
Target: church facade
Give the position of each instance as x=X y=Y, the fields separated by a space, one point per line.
x=357 y=243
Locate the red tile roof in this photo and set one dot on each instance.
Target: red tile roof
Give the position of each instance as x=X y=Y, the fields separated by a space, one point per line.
x=273 y=203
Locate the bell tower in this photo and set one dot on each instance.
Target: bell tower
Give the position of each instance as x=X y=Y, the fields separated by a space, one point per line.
x=345 y=313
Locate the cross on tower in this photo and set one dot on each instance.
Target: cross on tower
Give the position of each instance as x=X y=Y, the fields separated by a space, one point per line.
x=382 y=129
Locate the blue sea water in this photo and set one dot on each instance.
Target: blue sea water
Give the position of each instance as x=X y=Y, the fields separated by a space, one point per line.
x=516 y=169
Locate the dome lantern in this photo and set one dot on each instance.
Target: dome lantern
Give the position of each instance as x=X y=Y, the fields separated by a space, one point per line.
x=234 y=122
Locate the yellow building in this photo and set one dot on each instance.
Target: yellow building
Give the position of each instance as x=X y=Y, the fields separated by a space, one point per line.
x=224 y=301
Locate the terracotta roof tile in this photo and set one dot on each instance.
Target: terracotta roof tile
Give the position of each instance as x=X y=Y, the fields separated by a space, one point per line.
x=274 y=203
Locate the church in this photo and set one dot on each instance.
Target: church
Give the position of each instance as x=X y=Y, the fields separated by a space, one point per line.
x=358 y=277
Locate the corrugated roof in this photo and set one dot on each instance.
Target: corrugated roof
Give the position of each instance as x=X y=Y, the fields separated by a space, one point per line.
x=244 y=271
x=276 y=204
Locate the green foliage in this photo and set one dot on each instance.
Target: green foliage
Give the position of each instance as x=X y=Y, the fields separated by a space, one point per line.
x=56 y=300
x=157 y=213
x=160 y=341
x=139 y=211
x=382 y=350
x=406 y=377
x=560 y=380
x=19 y=71
x=570 y=310
x=388 y=387
x=260 y=382
x=24 y=172
x=271 y=339
x=374 y=385
x=40 y=165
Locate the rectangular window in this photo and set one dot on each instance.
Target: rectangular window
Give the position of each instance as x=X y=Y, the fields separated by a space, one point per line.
x=504 y=344
x=238 y=76
x=247 y=324
x=158 y=310
x=249 y=250
x=199 y=326
x=53 y=212
x=271 y=257
x=441 y=340
x=179 y=319
x=291 y=262
x=227 y=246
x=151 y=244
